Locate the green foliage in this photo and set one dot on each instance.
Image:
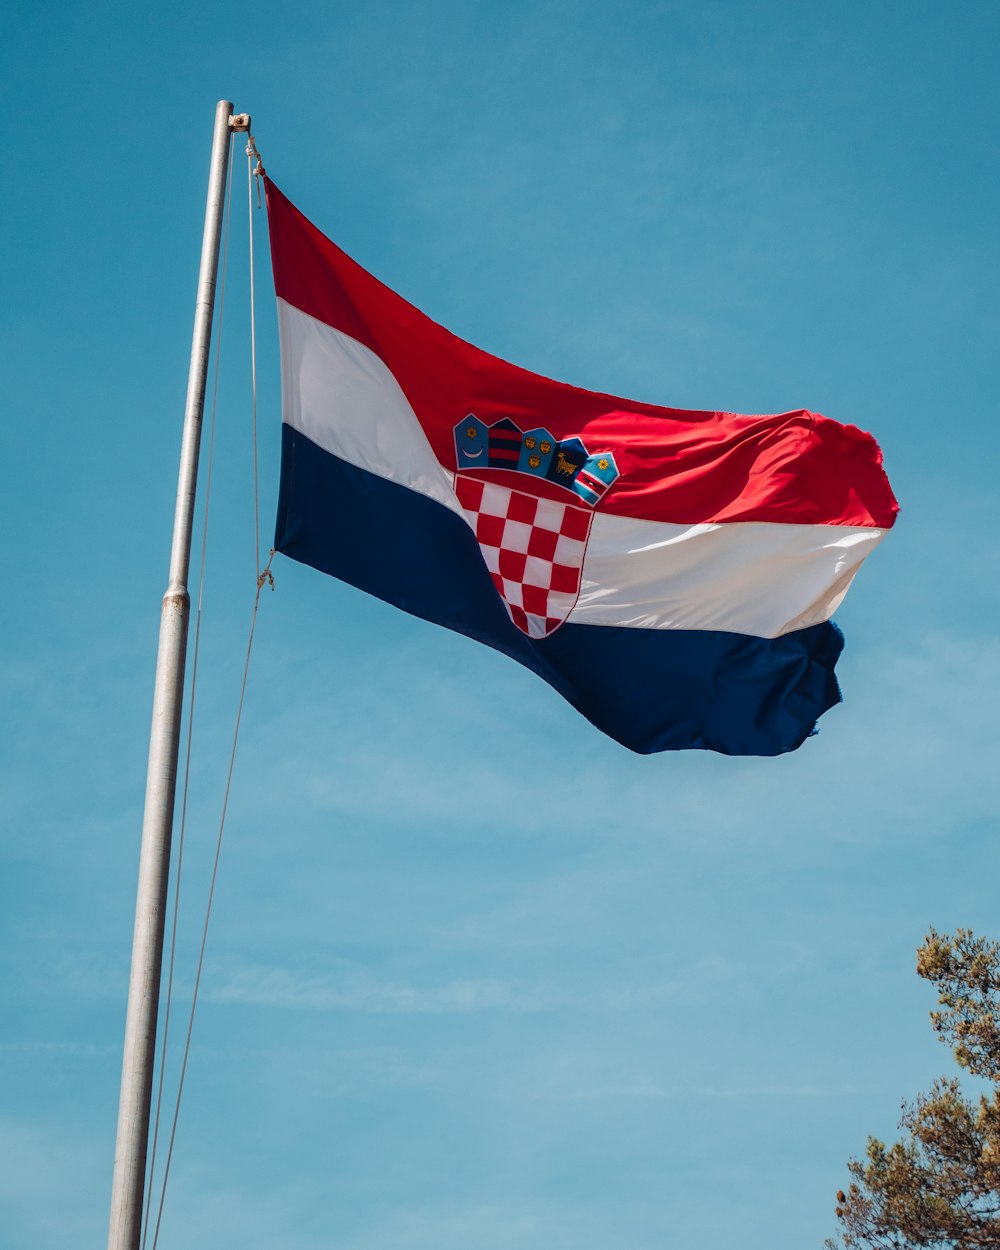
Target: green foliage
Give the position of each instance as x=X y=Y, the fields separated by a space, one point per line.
x=939 y=1187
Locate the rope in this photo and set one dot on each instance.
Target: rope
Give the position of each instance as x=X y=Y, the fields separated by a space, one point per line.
x=259 y=167
x=191 y=707
x=263 y=578
x=251 y=173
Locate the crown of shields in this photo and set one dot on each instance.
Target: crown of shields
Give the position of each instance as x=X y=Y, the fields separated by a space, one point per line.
x=533 y=548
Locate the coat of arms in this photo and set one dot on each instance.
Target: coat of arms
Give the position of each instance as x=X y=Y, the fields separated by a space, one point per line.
x=532 y=530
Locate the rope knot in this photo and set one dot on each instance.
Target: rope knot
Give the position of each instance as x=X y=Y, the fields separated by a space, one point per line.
x=266 y=576
x=258 y=169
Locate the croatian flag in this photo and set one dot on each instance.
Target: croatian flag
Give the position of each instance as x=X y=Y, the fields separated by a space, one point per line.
x=671 y=573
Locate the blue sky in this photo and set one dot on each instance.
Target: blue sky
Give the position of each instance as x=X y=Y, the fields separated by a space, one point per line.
x=477 y=977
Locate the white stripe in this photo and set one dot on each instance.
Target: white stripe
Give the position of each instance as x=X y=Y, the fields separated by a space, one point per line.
x=339 y=394
x=747 y=577
x=751 y=577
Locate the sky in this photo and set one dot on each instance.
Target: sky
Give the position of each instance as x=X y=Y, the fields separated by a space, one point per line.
x=476 y=975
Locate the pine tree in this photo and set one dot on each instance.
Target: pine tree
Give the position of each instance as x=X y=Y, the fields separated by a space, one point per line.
x=939 y=1186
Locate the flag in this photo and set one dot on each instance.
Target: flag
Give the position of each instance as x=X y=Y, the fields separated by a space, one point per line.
x=671 y=573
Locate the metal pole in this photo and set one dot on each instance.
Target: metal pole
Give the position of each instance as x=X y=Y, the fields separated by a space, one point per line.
x=157 y=821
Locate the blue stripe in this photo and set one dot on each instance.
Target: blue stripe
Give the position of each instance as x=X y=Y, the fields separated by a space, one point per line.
x=652 y=690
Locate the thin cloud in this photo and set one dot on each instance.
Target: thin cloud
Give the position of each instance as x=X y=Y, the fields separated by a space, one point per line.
x=286 y=989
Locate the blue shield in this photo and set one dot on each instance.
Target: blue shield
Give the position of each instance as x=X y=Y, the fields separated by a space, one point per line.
x=471 y=443
x=537 y=449
x=567 y=462
x=596 y=475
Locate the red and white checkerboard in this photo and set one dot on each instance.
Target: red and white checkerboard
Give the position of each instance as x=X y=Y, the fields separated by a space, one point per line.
x=533 y=549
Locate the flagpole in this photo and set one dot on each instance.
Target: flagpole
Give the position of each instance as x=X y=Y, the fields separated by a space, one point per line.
x=164 y=741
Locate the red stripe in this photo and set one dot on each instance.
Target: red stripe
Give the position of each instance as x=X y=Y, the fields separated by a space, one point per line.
x=676 y=465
